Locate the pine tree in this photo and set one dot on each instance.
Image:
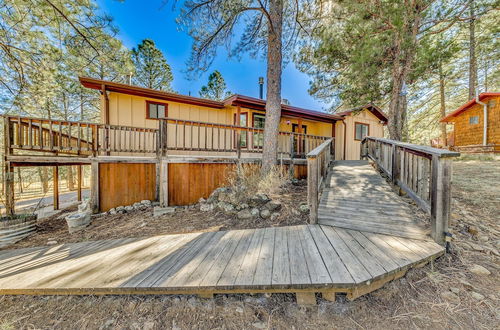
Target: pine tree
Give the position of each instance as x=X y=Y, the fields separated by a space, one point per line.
x=151 y=67
x=215 y=88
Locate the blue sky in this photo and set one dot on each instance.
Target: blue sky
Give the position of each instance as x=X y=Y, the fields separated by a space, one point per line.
x=138 y=20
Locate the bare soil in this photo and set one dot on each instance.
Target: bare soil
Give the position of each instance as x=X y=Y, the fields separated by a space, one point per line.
x=424 y=298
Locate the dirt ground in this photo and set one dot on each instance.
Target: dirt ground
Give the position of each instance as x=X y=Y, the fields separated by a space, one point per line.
x=443 y=295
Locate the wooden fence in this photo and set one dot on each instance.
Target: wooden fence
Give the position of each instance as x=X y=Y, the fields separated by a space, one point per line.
x=90 y=139
x=318 y=161
x=424 y=173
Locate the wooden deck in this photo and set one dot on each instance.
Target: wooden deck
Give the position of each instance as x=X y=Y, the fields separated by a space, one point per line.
x=302 y=259
x=357 y=197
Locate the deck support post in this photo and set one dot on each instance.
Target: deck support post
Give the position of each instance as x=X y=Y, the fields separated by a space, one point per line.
x=9 y=189
x=440 y=197
x=56 y=187
x=94 y=186
x=79 y=188
x=163 y=184
x=312 y=188
x=330 y=296
x=306 y=298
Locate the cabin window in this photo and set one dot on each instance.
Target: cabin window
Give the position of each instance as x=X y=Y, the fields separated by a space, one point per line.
x=244 y=123
x=474 y=120
x=156 y=110
x=361 y=130
x=258 y=122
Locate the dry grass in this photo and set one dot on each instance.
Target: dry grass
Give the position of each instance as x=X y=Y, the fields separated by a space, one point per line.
x=412 y=302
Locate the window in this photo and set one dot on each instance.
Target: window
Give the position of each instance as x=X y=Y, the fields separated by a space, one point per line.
x=243 y=134
x=258 y=122
x=474 y=120
x=361 y=130
x=156 y=110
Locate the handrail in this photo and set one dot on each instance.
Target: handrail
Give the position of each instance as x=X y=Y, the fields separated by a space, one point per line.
x=318 y=161
x=424 y=173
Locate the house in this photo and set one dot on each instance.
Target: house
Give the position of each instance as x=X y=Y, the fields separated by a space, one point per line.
x=188 y=133
x=476 y=124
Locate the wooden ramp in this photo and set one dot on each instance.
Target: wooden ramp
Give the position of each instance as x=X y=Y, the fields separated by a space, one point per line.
x=305 y=260
x=357 y=197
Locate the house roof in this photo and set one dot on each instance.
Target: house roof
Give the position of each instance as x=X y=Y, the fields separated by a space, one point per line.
x=370 y=107
x=234 y=100
x=467 y=106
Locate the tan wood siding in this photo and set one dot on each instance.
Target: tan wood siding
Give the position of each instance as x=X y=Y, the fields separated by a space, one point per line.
x=125 y=183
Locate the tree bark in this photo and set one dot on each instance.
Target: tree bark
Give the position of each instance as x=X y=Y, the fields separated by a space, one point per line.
x=472 y=53
x=442 y=109
x=273 y=94
x=44 y=178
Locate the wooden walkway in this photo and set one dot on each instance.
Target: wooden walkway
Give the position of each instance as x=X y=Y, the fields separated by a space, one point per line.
x=357 y=197
x=303 y=259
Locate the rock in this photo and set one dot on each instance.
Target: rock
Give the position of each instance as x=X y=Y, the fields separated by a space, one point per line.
x=477 y=296
x=466 y=284
x=295 y=182
x=77 y=221
x=51 y=242
x=479 y=270
x=483 y=238
x=259 y=325
x=273 y=206
x=84 y=207
x=255 y=212
x=450 y=296
x=241 y=206
x=142 y=225
x=476 y=247
x=112 y=211
x=225 y=207
x=108 y=323
x=258 y=200
x=146 y=202
x=239 y=310
x=214 y=196
x=137 y=206
x=275 y=216
x=455 y=290
x=304 y=208
x=159 y=211
x=265 y=213
x=129 y=208
x=120 y=209
x=472 y=230
x=206 y=207
x=244 y=214
x=202 y=200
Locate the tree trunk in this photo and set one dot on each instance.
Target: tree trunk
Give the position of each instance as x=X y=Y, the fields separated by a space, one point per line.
x=442 y=109
x=44 y=178
x=472 y=54
x=273 y=95
x=19 y=180
x=70 y=178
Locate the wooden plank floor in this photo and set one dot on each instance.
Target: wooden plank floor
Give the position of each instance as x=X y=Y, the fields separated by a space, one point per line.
x=306 y=258
x=357 y=197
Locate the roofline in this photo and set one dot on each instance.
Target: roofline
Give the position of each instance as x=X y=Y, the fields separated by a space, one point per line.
x=370 y=107
x=242 y=100
x=147 y=92
x=260 y=104
x=467 y=106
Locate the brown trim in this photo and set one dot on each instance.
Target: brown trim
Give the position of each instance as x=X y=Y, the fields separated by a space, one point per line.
x=367 y=133
x=148 y=102
x=147 y=92
x=345 y=139
x=370 y=107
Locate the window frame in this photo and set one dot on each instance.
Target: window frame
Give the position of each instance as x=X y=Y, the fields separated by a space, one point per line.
x=148 y=102
x=254 y=114
x=241 y=132
x=476 y=117
x=356 y=123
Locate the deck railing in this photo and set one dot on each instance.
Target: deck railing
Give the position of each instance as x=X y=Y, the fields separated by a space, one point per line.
x=424 y=173
x=318 y=161
x=173 y=135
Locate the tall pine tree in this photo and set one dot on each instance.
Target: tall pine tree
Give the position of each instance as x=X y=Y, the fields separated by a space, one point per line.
x=215 y=89
x=151 y=67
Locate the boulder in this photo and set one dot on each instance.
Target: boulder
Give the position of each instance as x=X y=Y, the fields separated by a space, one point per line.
x=255 y=212
x=225 y=207
x=273 y=206
x=146 y=202
x=137 y=206
x=214 y=196
x=120 y=209
x=112 y=211
x=206 y=207
x=304 y=208
x=244 y=214
x=258 y=200
x=202 y=200
x=129 y=208
x=77 y=221
x=159 y=211
x=275 y=216
x=479 y=270
x=241 y=206
x=265 y=213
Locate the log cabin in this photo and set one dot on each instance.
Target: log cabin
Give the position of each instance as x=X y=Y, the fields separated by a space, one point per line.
x=476 y=124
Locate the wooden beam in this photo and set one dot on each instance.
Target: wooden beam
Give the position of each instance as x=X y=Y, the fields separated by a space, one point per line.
x=9 y=189
x=56 y=187
x=440 y=197
x=79 y=188
x=163 y=184
x=306 y=298
x=94 y=186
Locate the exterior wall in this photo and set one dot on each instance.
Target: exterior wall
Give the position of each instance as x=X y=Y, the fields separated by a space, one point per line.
x=130 y=110
x=472 y=134
x=352 y=148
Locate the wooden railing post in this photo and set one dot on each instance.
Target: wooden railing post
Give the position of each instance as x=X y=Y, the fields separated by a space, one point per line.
x=440 y=197
x=94 y=186
x=312 y=188
x=163 y=133
x=395 y=166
